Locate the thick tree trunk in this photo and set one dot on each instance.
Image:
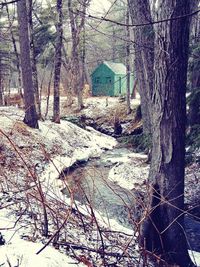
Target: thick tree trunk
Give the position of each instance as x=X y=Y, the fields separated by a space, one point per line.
x=30 y=111
x=57 y=68
x=163 y=231
x=33 y=62
x=144 y=56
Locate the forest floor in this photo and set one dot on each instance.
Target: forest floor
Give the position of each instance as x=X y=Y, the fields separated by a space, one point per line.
x=100 y=113
x=35 y=213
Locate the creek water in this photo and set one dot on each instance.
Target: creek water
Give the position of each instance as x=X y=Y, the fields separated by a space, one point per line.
x=90 y=185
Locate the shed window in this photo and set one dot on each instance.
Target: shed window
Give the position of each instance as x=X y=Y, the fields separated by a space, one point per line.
x=108 y=80
x=97 y=79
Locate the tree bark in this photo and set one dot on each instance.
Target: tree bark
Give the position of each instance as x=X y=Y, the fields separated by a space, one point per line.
x=48 y=93
x=128 y=69
x=77 y=26
x=16 y=54
x=75 y=56
x=33 y=62
x=30 y=118
x=144 y=56
x=1 y=87
x=163 y=230
x=83 y=56
x=58 y=60
x=134 y=91
x=194 y=105
x=113 y=44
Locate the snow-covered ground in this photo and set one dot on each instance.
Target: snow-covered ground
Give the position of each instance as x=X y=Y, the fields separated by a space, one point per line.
x=19 y=252
x=129 y=171
x=50 y=149
x=31 y=162
x=94 y=106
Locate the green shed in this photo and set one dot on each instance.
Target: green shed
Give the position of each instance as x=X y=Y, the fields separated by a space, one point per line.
x=109 y=79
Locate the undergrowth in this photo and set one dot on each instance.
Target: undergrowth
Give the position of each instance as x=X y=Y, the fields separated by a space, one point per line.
x=193 y=144
x=139 y=142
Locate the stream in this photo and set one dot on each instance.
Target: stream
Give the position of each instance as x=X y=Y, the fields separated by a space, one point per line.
x=90 y=183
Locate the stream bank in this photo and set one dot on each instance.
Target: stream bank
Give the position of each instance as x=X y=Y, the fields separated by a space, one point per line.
x=111 y=184
x=100 y=182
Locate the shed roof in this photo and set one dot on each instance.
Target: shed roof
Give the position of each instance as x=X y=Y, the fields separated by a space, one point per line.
x=117 y=68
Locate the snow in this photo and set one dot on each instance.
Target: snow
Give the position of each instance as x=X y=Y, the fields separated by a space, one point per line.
x=126 y=175
x=195 y=256
x=91 y=142
x=54 y=148
x=18 y=252
x=23 y=253
x=68 y=144
x=62 y=145
x=77 y=145
x=129 y=170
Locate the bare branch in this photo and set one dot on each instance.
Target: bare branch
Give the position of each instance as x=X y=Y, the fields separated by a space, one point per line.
x=136 y=25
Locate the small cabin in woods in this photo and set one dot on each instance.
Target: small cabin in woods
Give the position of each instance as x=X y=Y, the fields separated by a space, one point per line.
x=110 y=79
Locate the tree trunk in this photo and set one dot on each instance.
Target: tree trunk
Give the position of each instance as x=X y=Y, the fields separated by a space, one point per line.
x=16 y=54
x=77 y=25
x=88 y=78
x=144 y=56
x=30 y=111
x=113 y=44
x=128 y=70
x=194 y=105
x=163 y=231
x=1 y=87
x=134 y=91
x=33 y=62
x=48 y=94
x=83 y=56
x=57 y=68
x=67 y=78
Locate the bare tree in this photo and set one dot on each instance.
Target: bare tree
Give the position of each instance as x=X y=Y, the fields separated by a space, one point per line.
x=30 y=118
x=57 y=64
x=15 y=51
x=144 y=56
x=77 y=24
x=128 y=69
x=33 y=60
x=163 y=230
